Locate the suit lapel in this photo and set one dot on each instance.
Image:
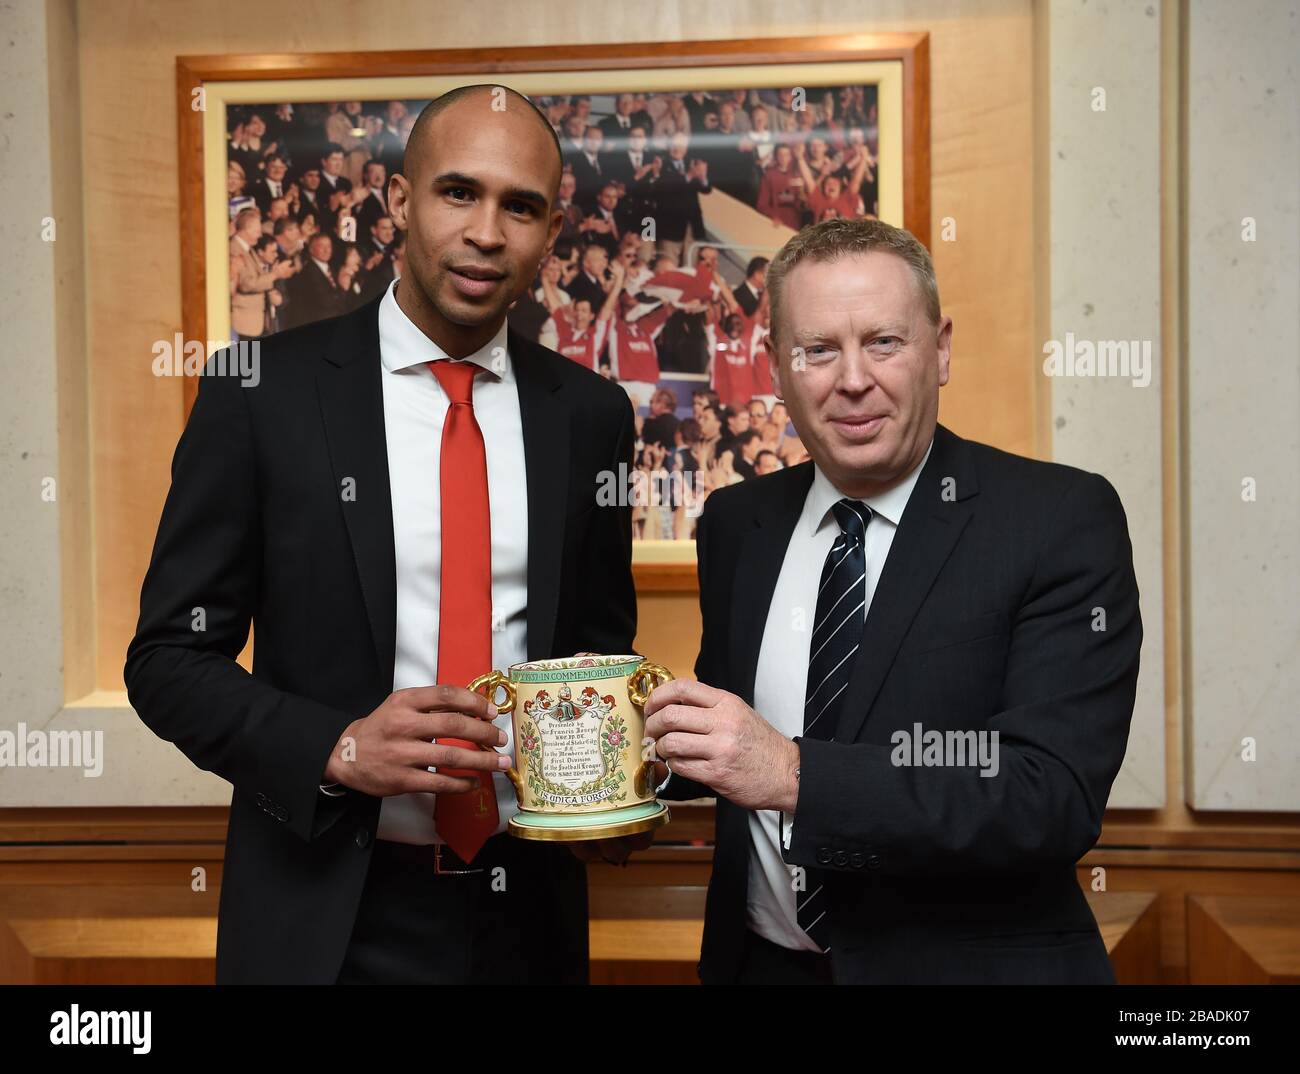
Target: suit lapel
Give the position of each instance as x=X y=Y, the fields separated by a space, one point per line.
x=933 y=521
x=762 y=551
x=544 y=414
x=350 y=391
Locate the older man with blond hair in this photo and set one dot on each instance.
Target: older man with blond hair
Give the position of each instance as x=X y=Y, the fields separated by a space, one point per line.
x=917 y=667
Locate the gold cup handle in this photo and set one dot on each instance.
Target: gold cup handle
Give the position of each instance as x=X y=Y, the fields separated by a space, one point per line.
x=642 y=682
x=494 y=681
x=640 y=685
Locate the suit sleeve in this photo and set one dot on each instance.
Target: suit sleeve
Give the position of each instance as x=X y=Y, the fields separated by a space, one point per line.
x=254 y=281
x=708 y=664
x=1067 y=699
x=609 y=626
x=196 y=604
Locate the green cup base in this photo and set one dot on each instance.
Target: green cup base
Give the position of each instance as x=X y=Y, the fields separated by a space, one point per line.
x=579 y=827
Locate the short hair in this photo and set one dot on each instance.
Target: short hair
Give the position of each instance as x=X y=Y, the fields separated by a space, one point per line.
x=754 y=265
x=665 y=395
x=840 y=237
x=244 y=216
x=441 y=103
x=744 y=438
x=330 y=149
x=282 y=225
x=263 y=241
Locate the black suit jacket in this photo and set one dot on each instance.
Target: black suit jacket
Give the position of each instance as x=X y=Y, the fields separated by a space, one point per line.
x=582 y=286
x=746 y=299
x=616 y=137
x=309 y=297
x=368 y=213
x=588 y=179
x=678 y=202
x=983 y=619
x=262 y=194
x=255 y=530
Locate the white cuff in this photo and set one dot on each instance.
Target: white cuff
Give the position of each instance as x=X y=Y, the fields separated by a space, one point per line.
x=668 y=780
x=334 y=790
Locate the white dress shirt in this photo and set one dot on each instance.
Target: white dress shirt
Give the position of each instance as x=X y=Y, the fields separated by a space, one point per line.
x=782 y=680
x=415 y=407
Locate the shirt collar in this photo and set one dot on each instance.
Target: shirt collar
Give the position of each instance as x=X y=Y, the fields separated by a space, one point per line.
x=402 y=344
x=889 y=504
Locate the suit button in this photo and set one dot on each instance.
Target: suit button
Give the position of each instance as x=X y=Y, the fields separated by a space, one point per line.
x=281 y=814
x=823 y=856
x=841 y=859
x=857 y=859
x=873 y=861
x=261 y=798
x=363 y=838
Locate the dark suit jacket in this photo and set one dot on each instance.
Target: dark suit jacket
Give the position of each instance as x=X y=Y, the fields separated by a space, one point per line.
x=678 y=202
x=262 y=194
x=583 y=286
x=746 y=299
x=376 y=280
x=368 y=213
x=588 y=179
x=616 y=137
x=638 y=198
x=254 y=529
x=309 y=297
x=982 y=620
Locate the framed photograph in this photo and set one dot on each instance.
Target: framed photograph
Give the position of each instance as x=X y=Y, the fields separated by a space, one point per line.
x=687 y=165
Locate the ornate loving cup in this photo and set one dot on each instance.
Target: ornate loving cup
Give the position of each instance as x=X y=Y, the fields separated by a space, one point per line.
x=583 y=768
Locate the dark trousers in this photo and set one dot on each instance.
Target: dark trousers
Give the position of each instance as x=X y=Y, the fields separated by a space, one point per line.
x=522 y=918
x=766 y=963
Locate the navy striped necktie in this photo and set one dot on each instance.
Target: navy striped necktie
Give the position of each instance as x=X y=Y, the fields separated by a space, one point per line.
x=836 y=636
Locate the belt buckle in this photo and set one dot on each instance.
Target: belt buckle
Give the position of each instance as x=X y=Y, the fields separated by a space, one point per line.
x=438 y=867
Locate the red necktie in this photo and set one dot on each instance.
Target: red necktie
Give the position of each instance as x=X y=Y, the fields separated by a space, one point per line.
x=465 y=821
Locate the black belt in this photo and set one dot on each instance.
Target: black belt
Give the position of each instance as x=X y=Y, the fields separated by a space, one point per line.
x=438 y=858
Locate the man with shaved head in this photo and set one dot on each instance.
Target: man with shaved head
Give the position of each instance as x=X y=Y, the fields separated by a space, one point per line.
x=405 y=501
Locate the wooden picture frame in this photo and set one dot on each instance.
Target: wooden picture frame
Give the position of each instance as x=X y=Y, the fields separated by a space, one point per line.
x=897 y=63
